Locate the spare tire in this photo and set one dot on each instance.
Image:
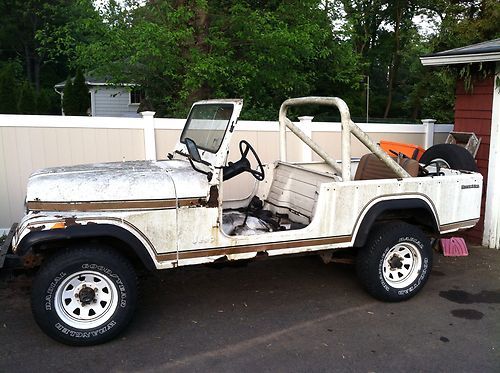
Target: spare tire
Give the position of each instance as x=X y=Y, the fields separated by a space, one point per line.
x=451 y=156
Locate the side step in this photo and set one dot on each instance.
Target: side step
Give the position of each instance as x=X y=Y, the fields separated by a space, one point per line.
x=6 y=245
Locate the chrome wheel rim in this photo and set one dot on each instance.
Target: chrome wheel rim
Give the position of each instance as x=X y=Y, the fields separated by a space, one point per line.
x=441 y=162
x=86 y=300
x=401 y=265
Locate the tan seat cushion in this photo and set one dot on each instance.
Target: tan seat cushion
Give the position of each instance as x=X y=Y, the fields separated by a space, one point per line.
x=371 y=168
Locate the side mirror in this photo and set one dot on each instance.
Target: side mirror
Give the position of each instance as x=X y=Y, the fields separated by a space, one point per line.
x=193 y=150
x=194 y=155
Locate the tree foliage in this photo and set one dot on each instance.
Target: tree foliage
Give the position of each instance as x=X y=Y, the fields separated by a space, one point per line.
x=9 y=87
x=68 y=98
x=387 y=35
x=180 y=51
x=42 y=36
x=27 y=99
x=81 y=94
x=76 y=100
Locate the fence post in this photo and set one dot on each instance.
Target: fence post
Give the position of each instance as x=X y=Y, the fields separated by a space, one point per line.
x=305 y=125
x=149 y=135
x=429 y=132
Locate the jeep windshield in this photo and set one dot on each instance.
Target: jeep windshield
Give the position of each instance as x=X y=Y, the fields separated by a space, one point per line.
x=207 y=124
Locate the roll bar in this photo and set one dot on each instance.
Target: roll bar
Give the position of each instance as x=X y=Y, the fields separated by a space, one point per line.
x=348 y=127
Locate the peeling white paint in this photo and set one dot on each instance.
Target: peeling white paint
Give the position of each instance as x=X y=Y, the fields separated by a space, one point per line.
x=139 y=180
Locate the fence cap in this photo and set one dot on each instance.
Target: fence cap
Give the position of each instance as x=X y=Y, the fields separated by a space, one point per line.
x=306 y=118
x=148 y=113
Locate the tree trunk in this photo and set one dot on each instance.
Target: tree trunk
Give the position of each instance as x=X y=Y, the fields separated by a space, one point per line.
x=27 y=58
x=394 y=66
x=36 y=74
x=201 y=24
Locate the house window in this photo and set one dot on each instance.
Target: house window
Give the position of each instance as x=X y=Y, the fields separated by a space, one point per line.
x=136 y=96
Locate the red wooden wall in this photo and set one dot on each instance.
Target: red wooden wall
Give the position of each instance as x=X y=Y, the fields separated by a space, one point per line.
x=473 y=114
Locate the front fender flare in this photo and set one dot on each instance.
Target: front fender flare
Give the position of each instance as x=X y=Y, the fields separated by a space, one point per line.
x=35 y=238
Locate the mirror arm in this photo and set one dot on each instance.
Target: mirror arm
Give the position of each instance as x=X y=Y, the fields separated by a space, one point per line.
x=208 y=173
x=203 y=162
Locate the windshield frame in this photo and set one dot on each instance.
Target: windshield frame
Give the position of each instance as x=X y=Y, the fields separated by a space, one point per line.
x=223 y=105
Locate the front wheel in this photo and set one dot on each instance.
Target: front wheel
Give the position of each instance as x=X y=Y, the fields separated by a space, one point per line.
x=84 y=296
x=396 y=262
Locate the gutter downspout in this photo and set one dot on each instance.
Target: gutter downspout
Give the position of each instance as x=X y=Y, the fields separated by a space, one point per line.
x=62 y=95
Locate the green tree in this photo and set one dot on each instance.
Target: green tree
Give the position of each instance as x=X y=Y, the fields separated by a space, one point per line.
x=9 y=90
x=460 y=24
x=81 y=94
x=69 y=103
x=263 y=51
x=41 y=31
x=76 y=100
x=48 y=102
x=27 y=100
x=42 y=35
x=181 y=51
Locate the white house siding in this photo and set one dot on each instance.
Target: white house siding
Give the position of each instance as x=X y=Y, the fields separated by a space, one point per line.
x=112 y=102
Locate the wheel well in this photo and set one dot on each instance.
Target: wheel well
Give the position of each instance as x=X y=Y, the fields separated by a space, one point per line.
x=420 y=217
x=412 y=211
x=47 y=248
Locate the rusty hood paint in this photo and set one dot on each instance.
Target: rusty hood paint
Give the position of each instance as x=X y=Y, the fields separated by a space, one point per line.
x=119 y=181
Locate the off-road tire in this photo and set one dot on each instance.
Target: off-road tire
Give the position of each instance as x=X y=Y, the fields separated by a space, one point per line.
x=457 y=157
x=395 y=263
x=68 y=310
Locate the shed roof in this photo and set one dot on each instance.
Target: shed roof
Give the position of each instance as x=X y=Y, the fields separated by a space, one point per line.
x=486 y=51
x=97 y=81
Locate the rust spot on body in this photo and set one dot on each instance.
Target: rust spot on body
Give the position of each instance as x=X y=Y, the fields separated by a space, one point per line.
x=32 y=260
x=213 y=199
x=37 y=229
x=70 y=222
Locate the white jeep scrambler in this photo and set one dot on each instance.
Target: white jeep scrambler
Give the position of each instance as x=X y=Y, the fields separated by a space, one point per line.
x=90 y=226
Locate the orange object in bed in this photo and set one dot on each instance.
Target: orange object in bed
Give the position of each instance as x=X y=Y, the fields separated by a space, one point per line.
x=410 y=150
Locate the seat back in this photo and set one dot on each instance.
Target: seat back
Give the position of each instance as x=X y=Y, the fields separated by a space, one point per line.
x=372 y=168
x=295 y=190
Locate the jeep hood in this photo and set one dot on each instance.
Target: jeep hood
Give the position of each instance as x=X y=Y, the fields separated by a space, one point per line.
x=120 y=181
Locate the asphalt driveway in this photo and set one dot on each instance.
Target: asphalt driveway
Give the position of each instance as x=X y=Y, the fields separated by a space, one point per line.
x=279 y=315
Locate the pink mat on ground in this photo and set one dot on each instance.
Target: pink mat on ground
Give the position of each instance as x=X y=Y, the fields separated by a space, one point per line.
x=454 y=246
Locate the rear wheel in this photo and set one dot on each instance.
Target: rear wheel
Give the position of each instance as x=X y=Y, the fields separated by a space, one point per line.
x=84 y=296
x=396 y=262
x=450 y=156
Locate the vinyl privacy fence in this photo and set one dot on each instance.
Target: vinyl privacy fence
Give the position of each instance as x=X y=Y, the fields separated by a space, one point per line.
x=31 y=142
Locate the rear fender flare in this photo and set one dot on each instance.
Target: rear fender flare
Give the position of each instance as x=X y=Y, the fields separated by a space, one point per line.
x=379 y=208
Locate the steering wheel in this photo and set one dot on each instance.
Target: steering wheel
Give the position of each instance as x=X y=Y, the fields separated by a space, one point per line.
x=258 y=174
